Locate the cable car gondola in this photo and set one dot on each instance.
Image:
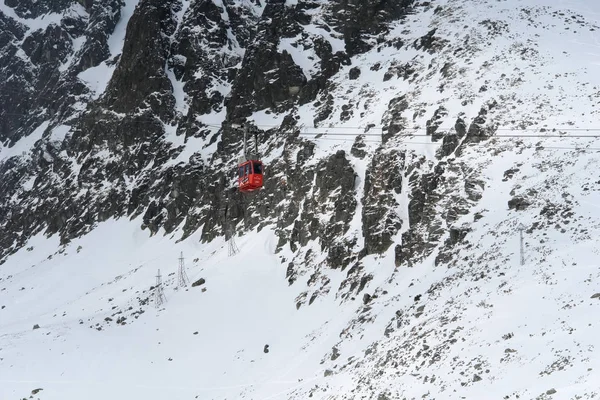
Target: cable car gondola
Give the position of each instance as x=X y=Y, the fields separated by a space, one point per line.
x=250 y=175
x=250 y=168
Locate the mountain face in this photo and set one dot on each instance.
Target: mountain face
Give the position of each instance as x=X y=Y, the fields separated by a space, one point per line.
x=404 y=142
x=113 y=125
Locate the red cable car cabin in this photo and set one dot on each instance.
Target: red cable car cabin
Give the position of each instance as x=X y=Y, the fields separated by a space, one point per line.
x=250 y=175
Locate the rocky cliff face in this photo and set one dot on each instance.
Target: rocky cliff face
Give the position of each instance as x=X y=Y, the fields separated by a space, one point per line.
x=128 y=107
x=106 y=152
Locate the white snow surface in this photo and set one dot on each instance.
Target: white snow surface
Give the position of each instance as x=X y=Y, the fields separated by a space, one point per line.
x=97 y=78
x=59 y=133
x=484 y=328
x=24 y=145
x=117 y=39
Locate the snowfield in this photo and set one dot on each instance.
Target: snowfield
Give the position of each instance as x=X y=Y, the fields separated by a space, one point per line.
x=79 y=321
x=485 y=328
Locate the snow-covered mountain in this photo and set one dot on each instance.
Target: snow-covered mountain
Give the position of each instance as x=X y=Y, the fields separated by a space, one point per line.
x=409 y=145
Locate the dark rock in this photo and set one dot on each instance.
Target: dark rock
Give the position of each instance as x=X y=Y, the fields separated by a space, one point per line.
x=474 y=189
x=476 y=378
x=199 y=282
x=36 y=326
x=379 y=218
x=360 y=21
x=420 y=311
x=354 y=73
x=430 y=42
x=401 y=71
x=34 y=9
x=335 y=354
x=518 y=204
x=36 y=391
x=509 y=173
x=434 y=123
x=333 y=175
x=266 y=348
x=449 y=144
x=461 y=127
x=393 y=116
x=447 y=71
x=328 y=372
x=457 y=235
x=290 y=273
x=358 y=148
x=477 y=130
x=398 y=255
x=121 y=137
x=550 y=391
x=139 y=79
x=325 y=110
x=47 y=46
x=596 y=296
x=366 y=298
x=268 y=78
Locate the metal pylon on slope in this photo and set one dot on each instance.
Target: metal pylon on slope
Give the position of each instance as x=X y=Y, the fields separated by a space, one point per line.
x=182 y=278
x=521 y=228
x=230 y=237
x=159 y=293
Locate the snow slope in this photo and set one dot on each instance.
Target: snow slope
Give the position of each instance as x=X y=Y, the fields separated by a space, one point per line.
x=231 y=333
x=520 y=329
x=482 y=326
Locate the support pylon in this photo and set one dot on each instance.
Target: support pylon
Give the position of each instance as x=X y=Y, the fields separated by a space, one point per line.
x=182 y=278
x=159 y=293
x=232 y=246
x=522 y=244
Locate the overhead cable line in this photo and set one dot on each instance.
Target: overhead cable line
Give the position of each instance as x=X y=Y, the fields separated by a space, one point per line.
x=324 y=131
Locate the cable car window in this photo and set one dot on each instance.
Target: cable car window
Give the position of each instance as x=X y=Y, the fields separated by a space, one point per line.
x=247 y=169
x=258 y=168
x=241 y=172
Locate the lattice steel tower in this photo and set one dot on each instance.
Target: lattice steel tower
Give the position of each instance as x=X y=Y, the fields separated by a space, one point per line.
x=159 y=293
x=521 y=228
x=182 y=278
x=230 y=237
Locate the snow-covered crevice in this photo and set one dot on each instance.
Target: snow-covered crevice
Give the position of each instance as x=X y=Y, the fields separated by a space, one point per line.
x=303 y=56
x=78 y=44
x=117 y=38
x=97 y=78
x=181 y=104
x=24 y=146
